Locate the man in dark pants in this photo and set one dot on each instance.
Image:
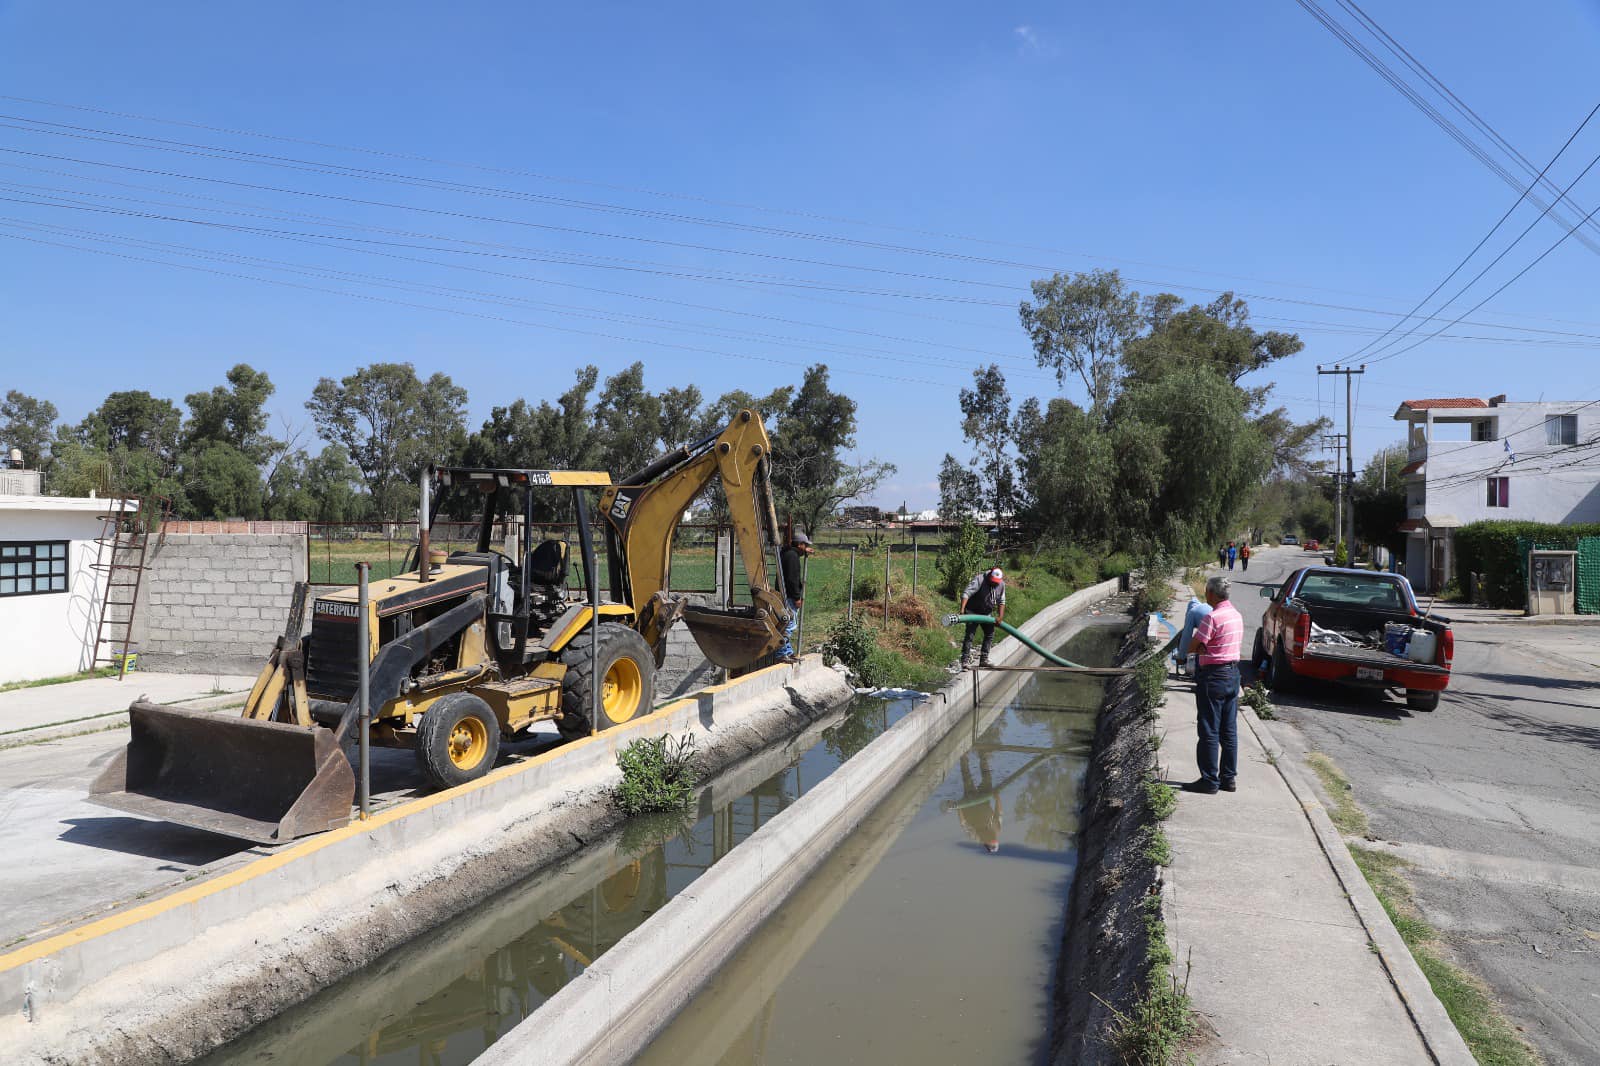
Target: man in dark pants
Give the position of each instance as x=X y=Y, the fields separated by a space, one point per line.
x=985 y=595
x=794 y=585
x=1216 y=643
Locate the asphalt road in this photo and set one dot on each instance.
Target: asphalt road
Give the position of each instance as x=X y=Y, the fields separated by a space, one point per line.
x=1495 y=800
x=68 y=859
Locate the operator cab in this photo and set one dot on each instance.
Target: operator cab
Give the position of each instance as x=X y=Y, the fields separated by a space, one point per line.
x=528 y=595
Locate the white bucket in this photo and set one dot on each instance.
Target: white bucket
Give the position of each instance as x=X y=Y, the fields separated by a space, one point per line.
x=1422 y=646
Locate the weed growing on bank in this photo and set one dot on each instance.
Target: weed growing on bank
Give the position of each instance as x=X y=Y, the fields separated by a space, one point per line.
x=657 y=775
x=1157 y=848
x=1162 y=1021
x=1151 y=677
x=1161 y=798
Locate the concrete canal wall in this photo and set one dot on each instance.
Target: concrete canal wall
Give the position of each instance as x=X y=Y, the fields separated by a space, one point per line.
x=171 y=978
x=617 y=1005
x=1105 y=939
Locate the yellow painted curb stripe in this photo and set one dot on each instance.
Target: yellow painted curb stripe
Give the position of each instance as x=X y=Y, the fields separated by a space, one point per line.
x=268 y=863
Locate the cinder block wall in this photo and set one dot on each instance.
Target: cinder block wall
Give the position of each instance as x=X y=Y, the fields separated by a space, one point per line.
x=216 y=602
x=685 y=669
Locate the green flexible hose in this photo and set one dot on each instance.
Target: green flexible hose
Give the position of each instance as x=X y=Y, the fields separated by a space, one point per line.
x=989 y=620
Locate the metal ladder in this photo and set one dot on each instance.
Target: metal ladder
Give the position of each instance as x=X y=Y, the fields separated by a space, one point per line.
x=123 y=544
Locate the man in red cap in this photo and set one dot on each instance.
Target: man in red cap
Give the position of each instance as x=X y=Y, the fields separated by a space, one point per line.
x=985 y=595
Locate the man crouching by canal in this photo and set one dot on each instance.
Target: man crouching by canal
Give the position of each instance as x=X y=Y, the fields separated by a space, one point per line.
x=985 y=595
x=1216 y=643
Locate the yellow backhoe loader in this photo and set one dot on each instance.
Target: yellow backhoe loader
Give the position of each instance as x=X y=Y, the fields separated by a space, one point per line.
x=467 y=648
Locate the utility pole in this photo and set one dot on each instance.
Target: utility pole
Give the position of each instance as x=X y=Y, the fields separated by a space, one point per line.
x=1349 y=445
x=1334 y=442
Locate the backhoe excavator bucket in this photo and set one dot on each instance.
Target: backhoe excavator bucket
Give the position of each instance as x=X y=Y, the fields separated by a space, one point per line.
x=262 y=781
x=731 y=639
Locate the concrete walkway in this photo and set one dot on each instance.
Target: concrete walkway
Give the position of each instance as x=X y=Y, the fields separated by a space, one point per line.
x=1283 y=970
x=28 y=714
x=1292 y=960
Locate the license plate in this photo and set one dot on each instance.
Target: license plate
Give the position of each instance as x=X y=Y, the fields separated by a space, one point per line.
x=1369 y=673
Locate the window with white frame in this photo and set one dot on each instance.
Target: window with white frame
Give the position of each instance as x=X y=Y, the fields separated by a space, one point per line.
x=29 y=567
x=1561 y=429
x=1499 y=492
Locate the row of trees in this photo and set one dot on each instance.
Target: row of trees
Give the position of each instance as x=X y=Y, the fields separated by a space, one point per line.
x=1171 y=446
x=380 y=425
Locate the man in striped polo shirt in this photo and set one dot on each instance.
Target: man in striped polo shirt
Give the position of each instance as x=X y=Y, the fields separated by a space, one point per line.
x=1217 y=639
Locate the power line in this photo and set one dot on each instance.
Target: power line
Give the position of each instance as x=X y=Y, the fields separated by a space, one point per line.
x=640 y=190
x=1491 y=265
x=1384 y=71
x=1509 y=282
x=516 y=222
x=1484 y=240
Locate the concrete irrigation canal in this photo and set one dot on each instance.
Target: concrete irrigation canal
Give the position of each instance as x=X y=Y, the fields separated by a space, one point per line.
x=930 y=934
x=860 y=880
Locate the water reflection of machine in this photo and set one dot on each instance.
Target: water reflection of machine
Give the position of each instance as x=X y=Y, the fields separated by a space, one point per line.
x=499 y=991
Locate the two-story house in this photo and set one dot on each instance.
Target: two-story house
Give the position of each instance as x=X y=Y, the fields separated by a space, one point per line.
x=1472 y=459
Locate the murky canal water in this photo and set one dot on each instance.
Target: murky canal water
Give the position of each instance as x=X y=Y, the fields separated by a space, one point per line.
x=442 y=999
x=931 y=935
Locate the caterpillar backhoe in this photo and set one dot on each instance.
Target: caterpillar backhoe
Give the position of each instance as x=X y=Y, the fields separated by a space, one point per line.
x=467 y=648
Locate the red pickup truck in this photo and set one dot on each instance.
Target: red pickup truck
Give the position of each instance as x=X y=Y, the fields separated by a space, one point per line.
x=1354 y=626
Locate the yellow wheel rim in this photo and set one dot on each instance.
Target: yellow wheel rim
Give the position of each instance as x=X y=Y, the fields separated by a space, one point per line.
x=469 y=743
x=622 y=691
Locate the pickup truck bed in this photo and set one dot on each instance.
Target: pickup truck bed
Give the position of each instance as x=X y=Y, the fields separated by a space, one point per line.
x=1347 y=653
x=1358 y=604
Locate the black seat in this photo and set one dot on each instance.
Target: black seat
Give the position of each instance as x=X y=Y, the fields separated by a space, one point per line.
x=547 y=563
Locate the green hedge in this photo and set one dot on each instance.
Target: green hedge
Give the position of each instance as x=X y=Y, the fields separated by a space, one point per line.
x=1499 y=552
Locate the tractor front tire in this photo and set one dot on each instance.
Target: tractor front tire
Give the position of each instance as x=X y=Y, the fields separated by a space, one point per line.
x=458 y=740
x=627 y=673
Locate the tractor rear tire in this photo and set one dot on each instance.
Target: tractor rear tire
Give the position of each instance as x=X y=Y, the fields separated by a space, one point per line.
x=458 y=740
x=627 y=671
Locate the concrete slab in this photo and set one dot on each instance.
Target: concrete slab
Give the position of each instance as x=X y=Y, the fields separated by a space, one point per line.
x=1281 y=967
x=96 y=703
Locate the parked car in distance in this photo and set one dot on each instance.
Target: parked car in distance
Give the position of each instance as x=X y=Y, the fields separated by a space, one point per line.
x=1311 y=545
x=1290 y=538
x=1357 y=627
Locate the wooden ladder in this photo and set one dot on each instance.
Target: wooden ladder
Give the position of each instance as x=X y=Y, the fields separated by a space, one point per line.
x=123 y=545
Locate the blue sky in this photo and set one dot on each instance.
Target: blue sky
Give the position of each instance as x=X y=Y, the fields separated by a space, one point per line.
x=1194 y=147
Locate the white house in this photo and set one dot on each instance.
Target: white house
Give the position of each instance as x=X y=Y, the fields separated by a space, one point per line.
x=1471 y=460
x=50 y=591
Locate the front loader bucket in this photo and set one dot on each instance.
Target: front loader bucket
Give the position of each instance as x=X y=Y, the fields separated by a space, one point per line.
x=731 y=639
x=262 y=781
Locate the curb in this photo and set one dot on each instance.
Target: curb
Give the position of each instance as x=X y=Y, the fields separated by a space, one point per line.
x=1438 y=1032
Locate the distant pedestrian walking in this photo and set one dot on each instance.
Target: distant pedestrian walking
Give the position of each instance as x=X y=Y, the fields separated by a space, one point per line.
x=1222 y=555
x=985 y=595
x=1217 y=639
x=1233 y=553
x=1244 y=556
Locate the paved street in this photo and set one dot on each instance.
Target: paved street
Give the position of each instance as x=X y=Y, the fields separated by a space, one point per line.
x=70 y=859
x=1494 y=799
